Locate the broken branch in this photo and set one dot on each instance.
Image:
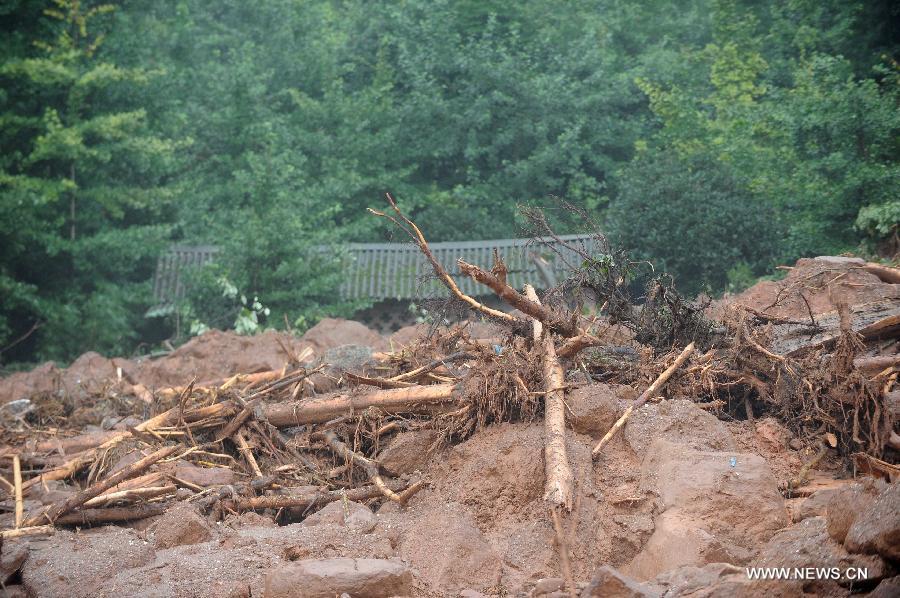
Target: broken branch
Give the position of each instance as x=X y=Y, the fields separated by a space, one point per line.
x=645 y=396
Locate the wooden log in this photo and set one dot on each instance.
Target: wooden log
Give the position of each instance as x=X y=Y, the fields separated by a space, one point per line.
x=59 y=509
x=309 y=500
x=885 y=273
x=36 y=530
x=132 y=495
x=645 y=396
x=112 y=514
x=17 y=483
x=558 y=478
x=874 y=365
x=415 y=399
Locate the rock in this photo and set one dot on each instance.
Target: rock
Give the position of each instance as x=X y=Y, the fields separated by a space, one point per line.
x=548 y=585
x=407 y=451
x=472 y=594
x=740 y=503
x=678 y=421
x=593 y=409
x=876 y=529
x=807 y=544
x=14 y=592
x=816 y=504
x=24 y=385
x=609 y=583
x=846 y=504
x=888 y=588
x=449 y=551
x=203 y=476
x=353 y=515
x=679 y=541
x=326 y=578
x=722 y=580
x=333 y=332
x=11 y=560
x=178 y=526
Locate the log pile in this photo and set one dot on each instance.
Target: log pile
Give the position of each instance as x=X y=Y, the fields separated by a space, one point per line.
x=280 y=439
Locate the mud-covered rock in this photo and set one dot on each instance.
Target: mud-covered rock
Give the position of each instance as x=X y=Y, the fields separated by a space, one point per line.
x=845 y=505
x=593 y=409
x=888 y=588
x=722 y=580
x=326 y=578
x=735 y=494
x=609 y=583
x=450 y=552
x=352 y=515
x=677 y=421
x=807 y=544
x=178 y=526
x=876 y=529
x=407 y=451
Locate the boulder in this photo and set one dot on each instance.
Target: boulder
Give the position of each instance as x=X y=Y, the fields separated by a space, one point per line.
x=449 y=551
x=678 y=421
x=679 y=541
x=807 y=544
x=888 y=588
x=735 y=495
x=11 y=560
x=407 y=451
x=722 y=580
x=877 y=528
x=609 y=583
x=593 y=409
x=353 y=515
x=178 y=526
x=326 y=578
x=846 y=504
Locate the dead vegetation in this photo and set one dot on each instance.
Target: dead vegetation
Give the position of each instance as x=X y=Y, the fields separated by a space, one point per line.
x=280 y=436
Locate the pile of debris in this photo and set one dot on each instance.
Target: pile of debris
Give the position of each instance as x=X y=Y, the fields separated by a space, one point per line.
x=441 y=435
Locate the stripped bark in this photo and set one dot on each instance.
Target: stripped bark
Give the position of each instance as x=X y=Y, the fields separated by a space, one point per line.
x=416 y=399
x=645 y=396
x=559 y=480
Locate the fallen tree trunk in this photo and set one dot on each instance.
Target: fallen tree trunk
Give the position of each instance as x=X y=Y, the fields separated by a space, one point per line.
x=415 y=399
x=558 y=480
x=112 y=515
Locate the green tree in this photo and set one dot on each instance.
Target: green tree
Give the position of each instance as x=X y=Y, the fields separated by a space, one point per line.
x=83 y=189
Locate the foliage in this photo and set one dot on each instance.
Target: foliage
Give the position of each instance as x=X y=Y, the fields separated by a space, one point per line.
x=724 y=133
x=693 y=220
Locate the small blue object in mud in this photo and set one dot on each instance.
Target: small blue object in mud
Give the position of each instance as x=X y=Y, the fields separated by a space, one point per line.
x=733 y=461
x=498 y=349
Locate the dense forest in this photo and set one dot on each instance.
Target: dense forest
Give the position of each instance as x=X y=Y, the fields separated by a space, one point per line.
x=716 y=138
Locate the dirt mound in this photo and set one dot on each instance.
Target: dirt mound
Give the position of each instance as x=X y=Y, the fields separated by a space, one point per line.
x=211 y=357
x=816 y=285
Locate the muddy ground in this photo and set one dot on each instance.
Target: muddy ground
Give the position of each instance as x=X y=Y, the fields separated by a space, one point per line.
x=679 y=504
